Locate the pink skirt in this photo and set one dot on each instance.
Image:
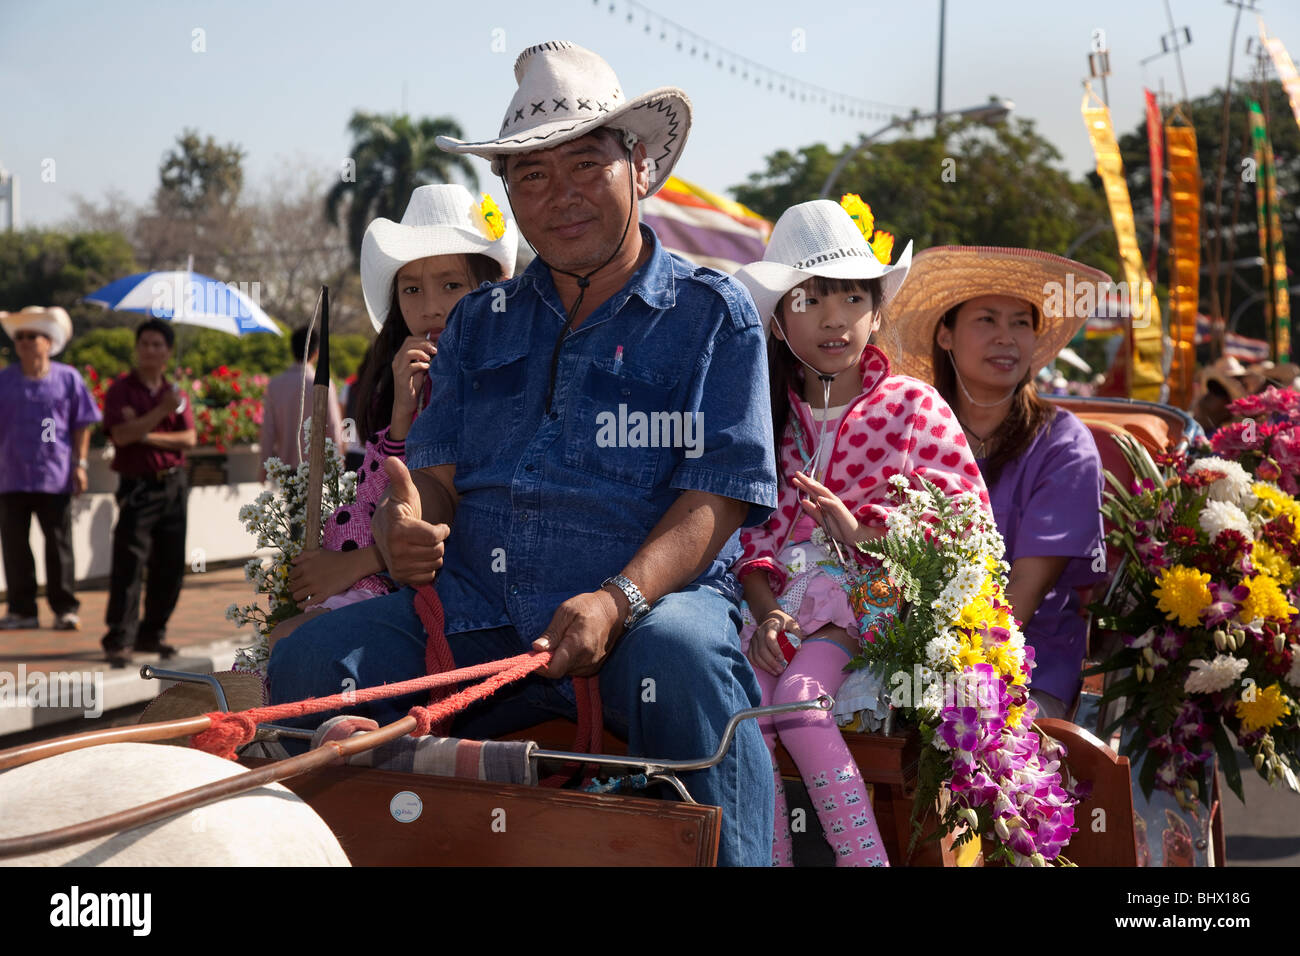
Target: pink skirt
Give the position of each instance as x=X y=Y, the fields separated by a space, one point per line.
x=824 y=601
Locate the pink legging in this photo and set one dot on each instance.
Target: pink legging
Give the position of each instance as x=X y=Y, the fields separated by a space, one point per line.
x=828 y=769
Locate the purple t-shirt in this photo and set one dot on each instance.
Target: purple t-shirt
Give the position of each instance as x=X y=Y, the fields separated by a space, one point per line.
x=37 y=419
x=1047 y=503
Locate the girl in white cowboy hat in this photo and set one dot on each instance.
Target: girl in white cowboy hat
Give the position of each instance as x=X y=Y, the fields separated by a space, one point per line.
x=412 y=275
x=843 y=425
x=979 y=322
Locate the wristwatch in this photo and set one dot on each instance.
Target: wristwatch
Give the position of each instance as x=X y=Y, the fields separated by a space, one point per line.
x=83 y=464
x=637 y=606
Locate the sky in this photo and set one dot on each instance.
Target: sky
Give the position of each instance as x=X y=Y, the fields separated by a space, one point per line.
x=94 y=94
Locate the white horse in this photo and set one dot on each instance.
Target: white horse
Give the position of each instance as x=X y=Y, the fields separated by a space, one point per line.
x=268 y=826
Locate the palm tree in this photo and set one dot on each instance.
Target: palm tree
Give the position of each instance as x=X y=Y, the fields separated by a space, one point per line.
x=392 y=155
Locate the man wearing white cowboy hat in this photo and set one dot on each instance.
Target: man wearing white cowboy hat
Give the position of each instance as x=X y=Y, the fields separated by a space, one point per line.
x=597 y=434
x=46 y=413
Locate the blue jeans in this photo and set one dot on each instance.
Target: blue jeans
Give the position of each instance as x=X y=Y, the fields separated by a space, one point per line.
x=669 y=687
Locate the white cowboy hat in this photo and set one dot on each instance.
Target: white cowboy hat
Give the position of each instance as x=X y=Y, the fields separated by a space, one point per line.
x=946 y=276
x=53 y=323
x=817 y=238
x=440 y=220
x=566 y=92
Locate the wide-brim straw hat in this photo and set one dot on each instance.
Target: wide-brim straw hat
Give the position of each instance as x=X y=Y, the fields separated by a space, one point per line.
x=440 y=220
x=53 y=323
x=946 y=276
x=566 y=92
x=817 y=238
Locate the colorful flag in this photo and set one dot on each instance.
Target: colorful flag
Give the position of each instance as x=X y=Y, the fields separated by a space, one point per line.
x=706 y=228
x=1278 y=301
x=1156 y=149
x=1184 y=255
x=1145 y=372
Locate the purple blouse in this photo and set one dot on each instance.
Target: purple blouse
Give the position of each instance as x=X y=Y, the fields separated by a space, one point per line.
x=1047 y=503
x=37 y=419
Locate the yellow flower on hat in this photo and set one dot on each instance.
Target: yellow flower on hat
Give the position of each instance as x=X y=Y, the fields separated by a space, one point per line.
x=490 y=221
x=881 y=243
x=1266 y=710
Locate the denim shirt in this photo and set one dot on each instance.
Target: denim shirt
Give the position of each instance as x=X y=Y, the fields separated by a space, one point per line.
x=554 y=501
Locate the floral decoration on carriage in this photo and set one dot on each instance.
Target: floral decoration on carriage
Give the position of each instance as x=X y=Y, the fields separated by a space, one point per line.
x=1206 y=601
x=955 y=664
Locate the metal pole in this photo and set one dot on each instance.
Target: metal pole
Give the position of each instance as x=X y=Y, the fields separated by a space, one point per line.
x=938 y=99
x=849 y=154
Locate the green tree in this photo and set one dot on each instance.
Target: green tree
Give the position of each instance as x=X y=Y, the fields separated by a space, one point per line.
x=198 y=174
x=47 y=267
x=391 y=156
x=1242 y=241
x=971 y=185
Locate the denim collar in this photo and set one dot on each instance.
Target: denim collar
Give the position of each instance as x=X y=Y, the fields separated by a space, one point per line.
x=653 y=283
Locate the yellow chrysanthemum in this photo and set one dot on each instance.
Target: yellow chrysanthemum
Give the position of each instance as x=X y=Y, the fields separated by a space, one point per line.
x=1265 y=600
x=881 y=243
x=1182 y=593
x=972 y=650
x=493 y=223
x=1003 y=660
x=1273 y=563
x=1274 y=502
x=1266 y=710
x=1015 y=714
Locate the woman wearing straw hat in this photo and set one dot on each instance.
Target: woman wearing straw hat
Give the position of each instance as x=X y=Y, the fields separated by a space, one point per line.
x=978 y=322
x=46 y=414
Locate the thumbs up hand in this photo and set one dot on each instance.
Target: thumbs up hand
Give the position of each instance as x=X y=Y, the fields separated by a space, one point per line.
x=411 y=547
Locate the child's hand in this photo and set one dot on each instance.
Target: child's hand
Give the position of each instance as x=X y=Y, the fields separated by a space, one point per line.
x=410 y=365
x=321 y=574
x=827 y=508
x=764 y=652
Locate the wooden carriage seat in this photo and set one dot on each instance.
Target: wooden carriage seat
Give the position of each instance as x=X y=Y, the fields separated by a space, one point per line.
x=887 y=764
x=1104 y=822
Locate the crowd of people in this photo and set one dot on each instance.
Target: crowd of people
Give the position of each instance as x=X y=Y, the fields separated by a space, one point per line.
x=697 y=581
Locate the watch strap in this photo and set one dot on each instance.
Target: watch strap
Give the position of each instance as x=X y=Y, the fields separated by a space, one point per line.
x=637 y=605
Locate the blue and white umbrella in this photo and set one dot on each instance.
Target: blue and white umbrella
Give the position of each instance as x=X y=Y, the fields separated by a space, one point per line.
x=188 y=298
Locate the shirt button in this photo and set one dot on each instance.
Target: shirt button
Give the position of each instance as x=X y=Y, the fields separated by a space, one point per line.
x=523 y=516
x=514 y=589
x=529 y=468
x=554 y=415
x=476 y=384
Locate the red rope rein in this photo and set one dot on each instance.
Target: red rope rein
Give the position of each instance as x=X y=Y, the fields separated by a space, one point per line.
x=228 y=731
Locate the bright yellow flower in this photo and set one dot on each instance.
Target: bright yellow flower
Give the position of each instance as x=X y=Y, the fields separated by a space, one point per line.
x=1015 y=714
x=491 y=222
x=1273 y=563
x=1182 y=593
x=1266 y=710
x=882 y=243
x=1274 y=502
x=1266 y=600
x=971 y=652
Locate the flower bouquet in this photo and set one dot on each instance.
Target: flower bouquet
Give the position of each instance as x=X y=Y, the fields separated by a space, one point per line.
x=960 y=671
x=1205 y=601
x=1266 y=442
x=277 y=518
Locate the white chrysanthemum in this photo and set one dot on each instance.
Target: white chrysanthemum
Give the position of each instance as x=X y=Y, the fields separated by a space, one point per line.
x=931 y=698
x=940 y=650
x=1218 y=516
x=1209 y=677
x=1233 y=487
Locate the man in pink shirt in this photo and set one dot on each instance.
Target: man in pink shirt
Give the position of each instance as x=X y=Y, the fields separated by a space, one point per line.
x=284 y=403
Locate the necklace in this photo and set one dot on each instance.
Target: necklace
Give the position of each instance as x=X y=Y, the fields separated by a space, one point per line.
x=981 y=451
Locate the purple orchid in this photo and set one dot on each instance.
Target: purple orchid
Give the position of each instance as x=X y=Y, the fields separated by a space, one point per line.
x=1226 y=601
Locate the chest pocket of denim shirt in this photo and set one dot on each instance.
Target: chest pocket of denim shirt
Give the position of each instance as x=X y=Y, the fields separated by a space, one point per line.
x=493 y=405
x=616 y=428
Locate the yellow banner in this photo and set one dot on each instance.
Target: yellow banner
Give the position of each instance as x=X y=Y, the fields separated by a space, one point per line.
x=1146 y=373
x=1184 y=254
x=1286 y=71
